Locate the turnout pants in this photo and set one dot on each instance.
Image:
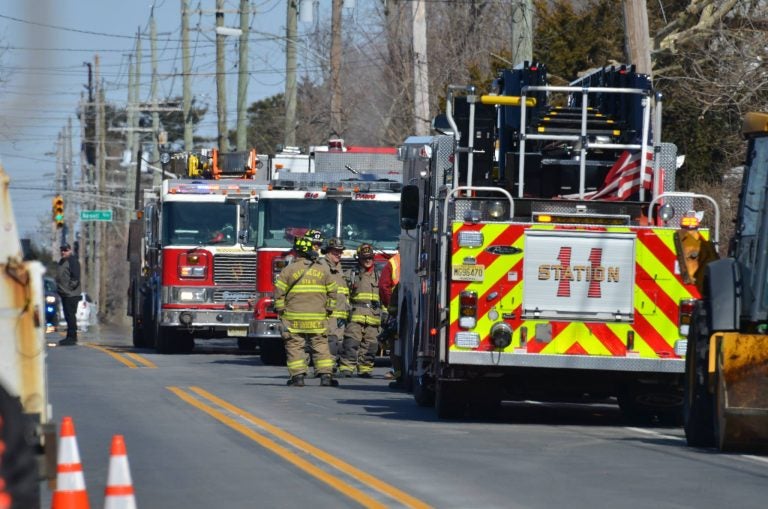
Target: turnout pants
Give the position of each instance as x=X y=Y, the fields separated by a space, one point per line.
x=69 y=304
x=359 y=348
x=295 y=350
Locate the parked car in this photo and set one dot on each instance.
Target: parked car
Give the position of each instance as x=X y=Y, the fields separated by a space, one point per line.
x=54 y=314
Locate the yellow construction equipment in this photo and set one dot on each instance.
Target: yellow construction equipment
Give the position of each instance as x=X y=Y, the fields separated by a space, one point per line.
x=726 y=390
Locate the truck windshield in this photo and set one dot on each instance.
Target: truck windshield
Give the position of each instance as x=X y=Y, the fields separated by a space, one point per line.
x=198 y=223
x=377 y=223
x=279 y=220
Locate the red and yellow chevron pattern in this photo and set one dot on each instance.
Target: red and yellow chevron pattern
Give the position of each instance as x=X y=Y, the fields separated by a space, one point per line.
x=658 y=289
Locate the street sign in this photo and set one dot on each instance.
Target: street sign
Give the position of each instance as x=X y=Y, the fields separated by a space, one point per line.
x=96 y=215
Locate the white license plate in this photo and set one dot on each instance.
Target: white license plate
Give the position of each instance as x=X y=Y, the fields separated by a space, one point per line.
x=468 y=272
x=237 y=333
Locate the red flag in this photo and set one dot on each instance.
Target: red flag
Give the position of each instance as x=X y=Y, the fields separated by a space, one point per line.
x=625 y=178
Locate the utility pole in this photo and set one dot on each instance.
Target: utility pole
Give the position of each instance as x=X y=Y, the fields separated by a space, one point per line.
x=336 y=121
x=638 y=45
x=70 y=212
x=291 y=31
x=157 y=177
x=84 y=231
x=221 y=90
x=186 y=66
x=137 y=140
x=242 y=77
x=421 y=117
x=98 y=251
x=522 y=31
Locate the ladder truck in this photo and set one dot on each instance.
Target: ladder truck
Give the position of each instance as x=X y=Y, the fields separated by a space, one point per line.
x=539 y=257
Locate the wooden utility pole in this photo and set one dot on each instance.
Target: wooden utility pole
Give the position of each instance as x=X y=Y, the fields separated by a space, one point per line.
x=522 y=31
x=156 y=177
x=186 y=67
x=291 y=31
x=137 y=140
x=638 y=44
x=421 y=116
x=242 y=78
x=98 y=250
x=221 y=90
x=336 y=120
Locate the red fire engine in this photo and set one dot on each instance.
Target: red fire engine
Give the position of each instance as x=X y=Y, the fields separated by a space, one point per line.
x=348 y=192
x=193 y=267
x=535 y=261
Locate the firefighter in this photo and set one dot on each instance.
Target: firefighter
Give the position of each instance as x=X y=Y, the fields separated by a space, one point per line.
x=305 y=296
x=388 y=290
x=695 y=250
x=362 y=331
x=333 y=250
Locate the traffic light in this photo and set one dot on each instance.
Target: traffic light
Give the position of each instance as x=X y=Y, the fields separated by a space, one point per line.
x=58 y=211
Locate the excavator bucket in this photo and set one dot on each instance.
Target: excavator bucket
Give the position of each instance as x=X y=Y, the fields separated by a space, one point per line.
x=740 y=362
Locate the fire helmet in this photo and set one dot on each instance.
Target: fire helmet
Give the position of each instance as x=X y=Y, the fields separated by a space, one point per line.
x=303 y=246
x=333 y=243
x=365 y=251
x=314 y=236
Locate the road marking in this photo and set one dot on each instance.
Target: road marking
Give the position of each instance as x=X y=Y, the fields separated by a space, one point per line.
x=112 y=354
x=655 y=433
x=381 y=486
x=346 y=489
x=148 y=363
x=121 y=357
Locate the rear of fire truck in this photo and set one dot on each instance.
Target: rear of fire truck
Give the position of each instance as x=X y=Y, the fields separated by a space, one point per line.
x=352 y=193
x=193 y=261
x=549 y=269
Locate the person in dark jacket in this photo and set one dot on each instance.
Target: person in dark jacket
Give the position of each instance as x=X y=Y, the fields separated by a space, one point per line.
x=68 y=286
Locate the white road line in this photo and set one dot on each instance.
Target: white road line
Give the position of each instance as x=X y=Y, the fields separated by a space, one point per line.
x=655 y=433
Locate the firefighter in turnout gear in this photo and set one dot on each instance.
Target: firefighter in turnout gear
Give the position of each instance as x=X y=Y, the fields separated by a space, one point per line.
x=362 y=332
x=305 y=296
x=333 y=250
x=388 y=293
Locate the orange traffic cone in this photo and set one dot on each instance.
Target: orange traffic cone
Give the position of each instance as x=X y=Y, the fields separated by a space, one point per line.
x=119 y=491
x=70 y=484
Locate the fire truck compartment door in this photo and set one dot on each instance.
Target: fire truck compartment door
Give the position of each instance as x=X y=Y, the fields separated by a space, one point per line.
x=579 y=275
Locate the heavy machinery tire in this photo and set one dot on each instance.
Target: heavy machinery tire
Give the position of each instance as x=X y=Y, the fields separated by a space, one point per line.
x=165 y=342
x=450 y=399
x=273 y=353
x=18 y=466
x=698 y=404
x=138 y=337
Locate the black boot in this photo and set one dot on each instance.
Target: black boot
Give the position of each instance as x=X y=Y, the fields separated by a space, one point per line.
x=327 y=380
x=69 y=341
x=296 y=381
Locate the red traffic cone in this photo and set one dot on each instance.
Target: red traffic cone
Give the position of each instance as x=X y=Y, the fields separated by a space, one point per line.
x=119 y=491
x=70 y=484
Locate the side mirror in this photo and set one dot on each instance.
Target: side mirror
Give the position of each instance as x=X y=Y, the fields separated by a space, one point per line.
x=409 y=207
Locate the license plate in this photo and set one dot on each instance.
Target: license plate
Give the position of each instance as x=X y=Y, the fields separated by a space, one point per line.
x=468 y=272
x=237 y=333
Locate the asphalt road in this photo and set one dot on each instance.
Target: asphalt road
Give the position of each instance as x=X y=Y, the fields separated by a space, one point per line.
x=216 y=428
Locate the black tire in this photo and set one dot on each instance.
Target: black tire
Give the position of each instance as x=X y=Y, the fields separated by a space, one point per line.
x=423 y=391
x=273 y=353
x=450 y=399
x=165 y=342
x=698 y=404
x=18 y=465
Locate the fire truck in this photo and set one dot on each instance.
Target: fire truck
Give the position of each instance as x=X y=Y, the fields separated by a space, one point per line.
x=192 y=262
x=539 y=257
x=350 y=192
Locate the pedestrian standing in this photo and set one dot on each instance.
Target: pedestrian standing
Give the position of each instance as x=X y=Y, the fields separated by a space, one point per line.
x=305 y=296
x=333 y=250
x=362 y=332
x=388 y=290
x=68 y=286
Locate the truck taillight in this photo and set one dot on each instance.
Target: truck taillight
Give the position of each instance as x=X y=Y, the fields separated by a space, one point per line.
x=278 y=264
x=193 y=265
x=685 y=315
x=468 y=310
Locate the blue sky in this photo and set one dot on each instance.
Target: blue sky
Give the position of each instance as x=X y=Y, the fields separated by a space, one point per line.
x=44 y=43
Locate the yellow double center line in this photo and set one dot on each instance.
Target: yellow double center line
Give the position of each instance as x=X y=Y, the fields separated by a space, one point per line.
x=124 y=357
x=334 y=482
